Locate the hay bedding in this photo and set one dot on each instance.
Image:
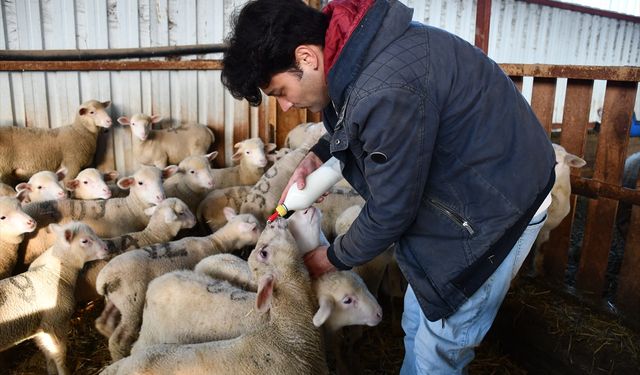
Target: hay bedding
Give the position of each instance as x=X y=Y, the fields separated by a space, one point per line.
x=381 y=350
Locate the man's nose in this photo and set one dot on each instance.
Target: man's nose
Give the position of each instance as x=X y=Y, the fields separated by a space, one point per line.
x=284 y=104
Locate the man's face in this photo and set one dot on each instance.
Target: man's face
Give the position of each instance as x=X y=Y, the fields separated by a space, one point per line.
x=295 y=89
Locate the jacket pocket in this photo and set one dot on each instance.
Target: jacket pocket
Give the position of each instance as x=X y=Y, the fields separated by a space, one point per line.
x=451 y=214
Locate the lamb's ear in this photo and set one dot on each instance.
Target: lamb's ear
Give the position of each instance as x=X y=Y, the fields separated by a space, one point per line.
x=269 y=147
x=72 y=185
x=150 y=210
x=61 y=173
x=110 y=176
x=229 y=213
x=126 y=182
x=123 y=120
x=156 y=119
x=237 y=155
x=574 y=161
x=23 y=186
x=212 y=155
x=265 y=293
x=169 y=171
x=324 y=310
x=23 y=195
x=106 y=104
x=60 y=232
x=170 y=216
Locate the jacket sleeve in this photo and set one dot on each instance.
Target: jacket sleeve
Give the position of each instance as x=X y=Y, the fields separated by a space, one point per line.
x=396 y=128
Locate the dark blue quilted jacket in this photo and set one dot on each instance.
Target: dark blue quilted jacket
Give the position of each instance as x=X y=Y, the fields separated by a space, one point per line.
x=448 y=155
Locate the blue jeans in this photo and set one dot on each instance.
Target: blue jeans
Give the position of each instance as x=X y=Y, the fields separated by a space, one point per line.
x=447 y=347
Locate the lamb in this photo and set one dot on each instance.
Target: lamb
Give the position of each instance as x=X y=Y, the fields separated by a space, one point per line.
x=170 y=146
x=108 y=218
x=334 y=204
x=125 y=278
x=560 y=203
x=72 y=146
x=42 y=186
x=287 y=342
x=14 y=223
x=251 y=154
x=39 y=303
x=209 y=209
x=263 y=197
x=192 y=181
x=305 y=133
x=226 y=313
x=166 y=220
x=90 y=183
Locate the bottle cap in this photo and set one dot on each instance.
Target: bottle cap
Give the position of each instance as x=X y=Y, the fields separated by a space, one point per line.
x=281 y=209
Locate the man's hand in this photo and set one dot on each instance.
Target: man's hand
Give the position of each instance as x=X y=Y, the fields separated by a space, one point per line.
x=310 y=163
x=317 y=262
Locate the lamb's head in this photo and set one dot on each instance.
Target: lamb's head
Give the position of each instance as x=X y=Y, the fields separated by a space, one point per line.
x=43 y=186
x=275 y=257
x=141 y=124
x=172 y=213
x=306 y=228
x=565 y=161
x=93 y=114
x=81 y=240
x=196 y=171
x=344 y=300
x=13 y=221
x=244 y=228
x=253 y=152
x=90 y=183
x=146 y=183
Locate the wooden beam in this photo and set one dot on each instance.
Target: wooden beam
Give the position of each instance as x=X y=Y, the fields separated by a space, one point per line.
x=613 y=73
x=483 y=24
x=109 y=65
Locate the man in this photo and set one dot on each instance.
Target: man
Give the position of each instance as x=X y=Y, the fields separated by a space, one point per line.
x=452 y=163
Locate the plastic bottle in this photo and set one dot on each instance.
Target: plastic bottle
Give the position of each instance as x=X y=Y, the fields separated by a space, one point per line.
x=318 y=182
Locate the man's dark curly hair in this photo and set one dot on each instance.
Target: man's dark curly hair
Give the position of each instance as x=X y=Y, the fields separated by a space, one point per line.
x=263 y=41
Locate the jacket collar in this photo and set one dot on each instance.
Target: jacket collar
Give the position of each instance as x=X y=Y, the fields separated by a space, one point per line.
x=355 y=27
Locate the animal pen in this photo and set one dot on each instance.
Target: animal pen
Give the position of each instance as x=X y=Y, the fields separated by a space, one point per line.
x=578 y=257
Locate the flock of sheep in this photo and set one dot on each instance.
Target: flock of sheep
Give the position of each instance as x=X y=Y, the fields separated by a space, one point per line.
x=70 y=235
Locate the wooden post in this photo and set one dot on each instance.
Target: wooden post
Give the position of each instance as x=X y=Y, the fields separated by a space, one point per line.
x=483 y=24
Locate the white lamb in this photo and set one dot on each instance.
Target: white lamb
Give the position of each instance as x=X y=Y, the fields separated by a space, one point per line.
x=192 y=181
x=108 y=218
x=560 y=203
x=43 y=186
x=305 y=133
x=90 y=183
x=166 y=220
x=39 y=303
x=14 y=223
x=216 y=300
x=169 y=146
x=251 y=154
x=286 y=344
x=72 y=146
x=125 y=278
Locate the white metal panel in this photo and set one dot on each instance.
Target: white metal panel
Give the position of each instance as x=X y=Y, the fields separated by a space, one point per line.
x=6 y=108
x=160 y=90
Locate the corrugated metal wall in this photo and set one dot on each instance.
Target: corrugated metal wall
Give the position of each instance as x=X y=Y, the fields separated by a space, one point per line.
x=525 y=33
x=520 y=33
x=50 y=99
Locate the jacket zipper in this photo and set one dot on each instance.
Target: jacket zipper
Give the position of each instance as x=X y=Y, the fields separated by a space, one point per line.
x=452 y=215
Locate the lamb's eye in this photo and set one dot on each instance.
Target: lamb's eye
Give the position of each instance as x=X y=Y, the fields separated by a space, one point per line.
x=347 y=300
x=39 y=187
x=140 y=183
x=85 y=182
x=247 y=152
x=84 y=241
x=2 y=217
x=192 y=171
x=263 y=252
x=92 y=112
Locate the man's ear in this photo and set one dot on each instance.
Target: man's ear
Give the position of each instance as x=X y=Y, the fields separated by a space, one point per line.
x=307 y=55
